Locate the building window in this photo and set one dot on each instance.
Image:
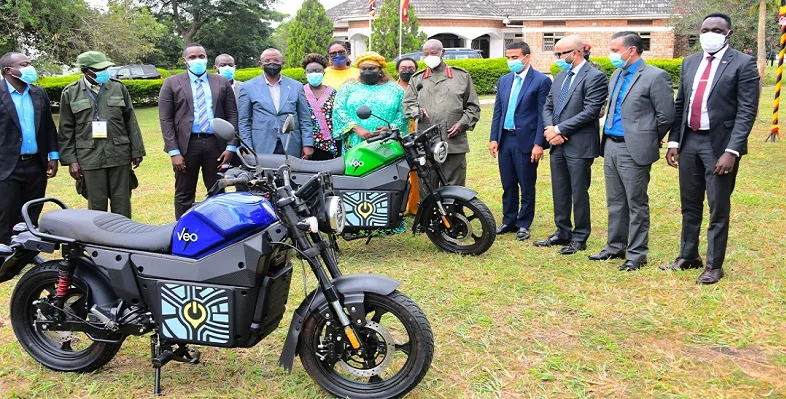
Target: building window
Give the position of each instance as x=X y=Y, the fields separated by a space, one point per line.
x=513 y=37
x=645 y=37
x=551 y=38
x=553 y=23
x=639 y=22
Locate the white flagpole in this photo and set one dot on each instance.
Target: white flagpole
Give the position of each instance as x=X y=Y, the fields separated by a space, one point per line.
x=370 y=31
x=400 y=25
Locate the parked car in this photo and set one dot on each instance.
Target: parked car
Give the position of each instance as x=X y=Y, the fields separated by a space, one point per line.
x=139 y=71
x=450 y=54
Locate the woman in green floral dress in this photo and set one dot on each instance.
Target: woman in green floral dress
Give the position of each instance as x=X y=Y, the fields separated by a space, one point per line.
x=378 y=91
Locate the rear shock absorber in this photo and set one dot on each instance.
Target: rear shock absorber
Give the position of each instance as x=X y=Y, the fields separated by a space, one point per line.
x=64 y=278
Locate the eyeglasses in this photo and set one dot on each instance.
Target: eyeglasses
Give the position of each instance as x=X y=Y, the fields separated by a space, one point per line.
x=335 y=53
x=557 y=54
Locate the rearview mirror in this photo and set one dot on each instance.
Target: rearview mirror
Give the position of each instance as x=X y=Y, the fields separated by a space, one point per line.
x=223 y=129
x=289 y=124
x=363 y=112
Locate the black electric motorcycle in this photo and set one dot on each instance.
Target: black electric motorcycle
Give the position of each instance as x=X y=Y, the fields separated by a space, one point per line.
x=220 y=277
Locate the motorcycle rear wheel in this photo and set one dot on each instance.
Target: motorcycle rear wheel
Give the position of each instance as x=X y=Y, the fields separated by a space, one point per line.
x=401 y=349
x=56 y=350
x=472 y=227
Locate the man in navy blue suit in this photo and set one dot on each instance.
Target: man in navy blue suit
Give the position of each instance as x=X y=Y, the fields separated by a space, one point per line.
x=517 y=137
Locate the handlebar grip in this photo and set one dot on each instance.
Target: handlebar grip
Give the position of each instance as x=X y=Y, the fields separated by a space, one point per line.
x=378 y=137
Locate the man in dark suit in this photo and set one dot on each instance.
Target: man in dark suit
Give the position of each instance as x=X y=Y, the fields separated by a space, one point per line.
x=641 y=111
x=716 y=107
x=517 y=136
x=187 y=103
x=571 y=116
x=28 y=141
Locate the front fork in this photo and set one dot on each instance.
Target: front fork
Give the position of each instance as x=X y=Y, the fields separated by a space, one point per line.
x=424 y=174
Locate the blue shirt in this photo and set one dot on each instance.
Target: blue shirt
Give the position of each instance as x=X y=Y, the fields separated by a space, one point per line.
x=616 y=124
x=26 y=113
x=208 y=101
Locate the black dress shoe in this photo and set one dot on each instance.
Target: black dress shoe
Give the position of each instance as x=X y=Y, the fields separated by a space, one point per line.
x=605 y=255
x=710 y=276
x=572 y=248
x=684 y=264
x=523 y=234
x=506 y=228
x=631 y=265
x=551 y=241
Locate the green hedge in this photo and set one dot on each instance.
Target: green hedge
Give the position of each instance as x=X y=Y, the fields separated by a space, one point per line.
x=484 y=72
x=672 y=66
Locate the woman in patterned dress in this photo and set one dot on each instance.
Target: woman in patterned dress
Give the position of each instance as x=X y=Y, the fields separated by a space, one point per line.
x=320 y=100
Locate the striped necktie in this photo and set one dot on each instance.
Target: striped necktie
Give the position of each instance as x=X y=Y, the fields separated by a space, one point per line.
x=201 y=107
x=563 y=96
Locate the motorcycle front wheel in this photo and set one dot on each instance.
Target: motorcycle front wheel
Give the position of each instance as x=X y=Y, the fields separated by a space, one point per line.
x=398 y=342
x=58 y=350
x=470 y=227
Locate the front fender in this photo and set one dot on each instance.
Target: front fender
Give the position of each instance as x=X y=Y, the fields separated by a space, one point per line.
x=345 y=285
x=458 y=192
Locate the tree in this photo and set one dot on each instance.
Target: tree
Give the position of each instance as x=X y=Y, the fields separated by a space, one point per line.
x=246 y=44
x=763 y=8
x=190 y=15
x=384 y=36
x=280 y=36
x=309 y=32
x=125 y=33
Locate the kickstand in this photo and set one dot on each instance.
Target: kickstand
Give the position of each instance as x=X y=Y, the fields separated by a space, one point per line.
x=369 y=239
x=161 y=353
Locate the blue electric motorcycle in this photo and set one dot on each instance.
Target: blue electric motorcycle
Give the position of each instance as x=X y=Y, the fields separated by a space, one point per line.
x=219 y=276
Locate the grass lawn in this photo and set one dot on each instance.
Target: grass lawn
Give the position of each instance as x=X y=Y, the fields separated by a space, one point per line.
x=519 y=321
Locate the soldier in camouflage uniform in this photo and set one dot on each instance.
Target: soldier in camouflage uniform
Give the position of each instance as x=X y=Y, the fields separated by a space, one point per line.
x=444 y=95
x=99 y=136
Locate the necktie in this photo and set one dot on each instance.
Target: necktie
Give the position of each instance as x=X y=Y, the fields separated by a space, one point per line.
x=563 y=96
x=201 y=107
x=514 y=97
x=614 y=96
x=698 y=99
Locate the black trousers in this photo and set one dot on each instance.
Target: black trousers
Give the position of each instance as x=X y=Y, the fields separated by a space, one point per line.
x=518 y=174
x=202 y=154
x=570 y=182
x=697 y=164
x=26 y=182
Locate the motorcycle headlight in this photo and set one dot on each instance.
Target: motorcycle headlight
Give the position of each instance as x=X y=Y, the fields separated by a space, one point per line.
x=440 y=151
x=335 y=214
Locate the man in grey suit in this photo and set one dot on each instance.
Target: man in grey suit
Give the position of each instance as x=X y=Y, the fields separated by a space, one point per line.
x=263 y=106
x=716 y=107
x=571 y=117
x=641 y=111
x=225 y=66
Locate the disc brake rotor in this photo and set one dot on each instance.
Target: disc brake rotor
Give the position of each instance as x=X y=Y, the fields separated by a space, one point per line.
x=465 y=228
x=390 y=346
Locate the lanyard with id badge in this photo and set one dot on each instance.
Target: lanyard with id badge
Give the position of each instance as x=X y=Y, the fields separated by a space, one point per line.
x=98 y=126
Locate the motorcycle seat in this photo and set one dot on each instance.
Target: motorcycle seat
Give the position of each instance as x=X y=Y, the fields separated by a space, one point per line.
x=334 y=166
x=107 y=229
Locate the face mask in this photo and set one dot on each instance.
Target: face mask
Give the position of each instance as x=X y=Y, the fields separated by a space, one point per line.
x=198 y=66
x=227 y=72
x=515 y=66
x=432 y=61
x=102 y=76
x=315 y=78
x=369 y=77
x=562 y=64
x=28 y=74
x=712 y=42
x=617 y=61
x=272 y=69
x=340 y=59
x=406 y=75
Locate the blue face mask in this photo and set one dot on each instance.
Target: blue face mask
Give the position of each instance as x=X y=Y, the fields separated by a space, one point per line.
x=198 y=66
x=102 y=76
x=515 y=66
x=315 y=78
x=28 y=74
x=227 y=72
x=338 y=60
x=562 y=64
x=617 y=61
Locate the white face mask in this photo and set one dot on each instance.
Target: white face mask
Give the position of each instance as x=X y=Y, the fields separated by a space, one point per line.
x=432 y=61
x=712 y=42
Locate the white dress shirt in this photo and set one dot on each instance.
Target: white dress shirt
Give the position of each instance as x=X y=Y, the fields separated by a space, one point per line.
x=705 y=118
x=275 y=91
